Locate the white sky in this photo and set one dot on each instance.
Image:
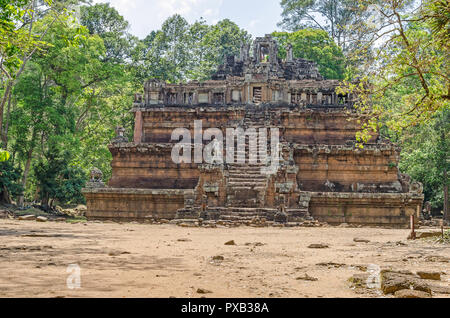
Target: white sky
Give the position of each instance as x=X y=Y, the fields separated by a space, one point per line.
x=259 y=17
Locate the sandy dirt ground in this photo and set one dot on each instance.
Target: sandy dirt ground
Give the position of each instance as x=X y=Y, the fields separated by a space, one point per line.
x=134 y=260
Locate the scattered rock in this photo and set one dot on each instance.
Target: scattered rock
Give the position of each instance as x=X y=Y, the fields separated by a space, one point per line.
x=331 y=265
x=421 y=286
x=440 y=290
x=41 y=219
x=230 y=243
x=117 y=253
x=307 y=278
x=361 y=240
x=429 y=275
x=362 y=268
x=408 y=293
x=359 y=280
x=403 y=272
x=391 y=282
x=218 y=258
x=187 y=225
x=437 y=259
x=318 y=246
x=184 y=240
x=203 y=291
x=27 y=218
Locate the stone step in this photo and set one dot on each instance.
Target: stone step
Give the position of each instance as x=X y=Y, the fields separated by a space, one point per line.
x=256 y=179
x=248 y=180
x=246 y=167
x=236 y=218
x=246 y=174
x=247 y=210
x=254 y=187
x=247 y=185
x=234 y=185
x=255 y=203
x=241 y=209
x=297 y=212
x=235 y=173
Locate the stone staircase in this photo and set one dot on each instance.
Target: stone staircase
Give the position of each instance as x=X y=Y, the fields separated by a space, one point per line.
x=241 y=214
x=246 y=183
x=246 y=186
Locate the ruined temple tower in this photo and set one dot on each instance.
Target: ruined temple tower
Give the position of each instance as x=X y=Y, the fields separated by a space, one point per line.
x=321 y=173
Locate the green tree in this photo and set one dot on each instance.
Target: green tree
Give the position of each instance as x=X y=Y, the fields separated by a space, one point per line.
x=214 y=44
x=9 y=181
x=315 y=45
x=20 y=40
x=105 y=21
x=168 y=54
x=404 y=90
x=181 y=51
x=425 y=156
x=409 y=59
x=58 y=179
x=50 y=91
x=106 y=104
x=341 y=19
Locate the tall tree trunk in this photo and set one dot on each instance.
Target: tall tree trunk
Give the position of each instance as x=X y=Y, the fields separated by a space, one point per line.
x=446 y=212
x=5 y=196
x=8 y=115
x=27 y=168
x=5 y=98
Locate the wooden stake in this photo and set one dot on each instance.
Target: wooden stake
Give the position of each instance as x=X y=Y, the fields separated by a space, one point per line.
x=413 y=236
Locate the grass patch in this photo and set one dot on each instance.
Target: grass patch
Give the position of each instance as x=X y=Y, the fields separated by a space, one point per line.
x=77 y=219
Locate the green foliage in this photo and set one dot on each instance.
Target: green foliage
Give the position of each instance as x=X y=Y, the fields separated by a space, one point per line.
x=58 y=179
x=180 y=51
x=4 y=155
x=63 y=95
x=317 y=46
x=9 y=178
x=341 y=19
x=425 y=156
x=403 y=88
x=105 y=21
x=410 y=83
x=213 y=44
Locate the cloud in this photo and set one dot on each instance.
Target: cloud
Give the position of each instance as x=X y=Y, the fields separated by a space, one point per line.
x=256 y=16
x=253 y=23
x=147 y=15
